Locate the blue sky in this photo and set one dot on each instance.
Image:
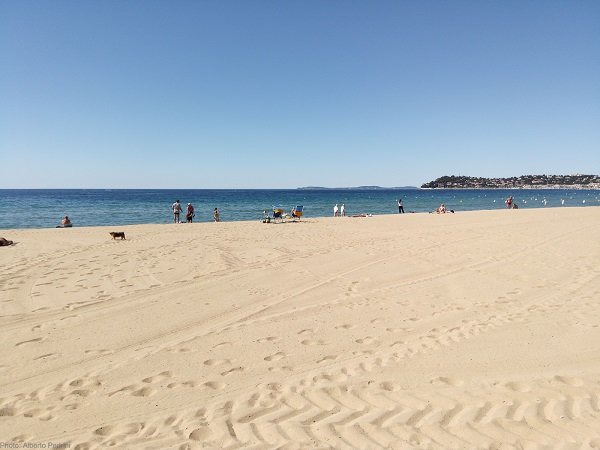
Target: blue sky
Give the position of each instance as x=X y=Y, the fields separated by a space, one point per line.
x=281 y=94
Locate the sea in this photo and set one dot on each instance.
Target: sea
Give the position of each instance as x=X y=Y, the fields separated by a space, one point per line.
x=44 y=208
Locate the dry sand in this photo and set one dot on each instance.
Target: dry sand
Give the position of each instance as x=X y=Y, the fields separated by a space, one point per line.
x=468 y=330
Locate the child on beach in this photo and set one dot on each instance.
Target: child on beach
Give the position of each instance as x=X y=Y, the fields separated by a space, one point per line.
x=216 y=215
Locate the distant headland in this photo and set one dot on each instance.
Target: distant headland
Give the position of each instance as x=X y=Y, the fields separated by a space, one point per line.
x=358 y=188
x=577 y=181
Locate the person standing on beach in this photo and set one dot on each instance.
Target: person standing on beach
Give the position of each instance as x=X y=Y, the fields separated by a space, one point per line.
x=189 y=215
x=400 y=206
x=216 y=215
x=335 y=210
x=343 y=210
x=176 y=211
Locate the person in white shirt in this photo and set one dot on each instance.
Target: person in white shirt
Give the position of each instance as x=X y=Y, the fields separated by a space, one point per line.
x=343 y=210
x=400 y=206
x=176 y=211
x=335 y=210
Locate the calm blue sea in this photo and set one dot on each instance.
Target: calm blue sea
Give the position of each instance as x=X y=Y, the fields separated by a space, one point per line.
x=42 y=208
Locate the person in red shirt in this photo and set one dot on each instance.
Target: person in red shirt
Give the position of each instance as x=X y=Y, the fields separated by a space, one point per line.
x=189 y=215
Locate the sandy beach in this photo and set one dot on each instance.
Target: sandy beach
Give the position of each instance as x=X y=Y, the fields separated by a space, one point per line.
x=467 y=330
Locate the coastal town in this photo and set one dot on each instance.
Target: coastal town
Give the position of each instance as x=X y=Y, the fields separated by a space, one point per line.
x=576 y=181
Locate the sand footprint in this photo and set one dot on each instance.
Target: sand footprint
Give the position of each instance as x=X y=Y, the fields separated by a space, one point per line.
x=32 y=413
x=144 y=392
x=313 y=342
x=570 y=381
x=187 y=384
x=281 y=369
x=394 y=330
x=327 y=358
x=277 y=356
x=216 y=385
x=30 y=341
x=102 y=351
x=78 y=382
x=268 y=339
x=73 y=316
x=306 y=332
x=518 y=386
x=78 y=393
x=448 y=381
x=230 y=371
x=389 y=386
x=131 y=387
x=216 y=362
x=110 y=430
x=200 y=434
x=366 y=340
x=8 y=412
x=47 y=356
x=161 y=376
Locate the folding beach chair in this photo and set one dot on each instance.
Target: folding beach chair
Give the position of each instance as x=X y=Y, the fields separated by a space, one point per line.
x=297 y=212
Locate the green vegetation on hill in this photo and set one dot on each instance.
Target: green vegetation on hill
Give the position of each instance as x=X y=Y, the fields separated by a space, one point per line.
x=524 y=181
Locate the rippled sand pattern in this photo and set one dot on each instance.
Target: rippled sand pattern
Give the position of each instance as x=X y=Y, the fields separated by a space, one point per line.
x=469 y=330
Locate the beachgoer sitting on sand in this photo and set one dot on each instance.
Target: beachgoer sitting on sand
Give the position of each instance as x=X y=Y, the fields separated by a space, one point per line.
x=266 y=218
x=441 y=209
x=5 y=242
x=65 y=223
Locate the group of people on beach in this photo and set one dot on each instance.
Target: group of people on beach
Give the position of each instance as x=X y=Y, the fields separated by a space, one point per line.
x=339 y=211
x=190 y=213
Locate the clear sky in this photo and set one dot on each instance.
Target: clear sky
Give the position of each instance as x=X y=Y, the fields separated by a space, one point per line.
x=281 y=94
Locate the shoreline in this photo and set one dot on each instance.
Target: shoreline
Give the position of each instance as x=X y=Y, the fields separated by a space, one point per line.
x=304 y=218
x=97 y=208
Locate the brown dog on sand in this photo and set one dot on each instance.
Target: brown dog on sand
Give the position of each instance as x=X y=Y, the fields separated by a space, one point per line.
x=117 y=234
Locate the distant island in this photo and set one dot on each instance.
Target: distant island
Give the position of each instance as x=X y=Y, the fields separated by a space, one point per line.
x=523 y=182
x=358 y=188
